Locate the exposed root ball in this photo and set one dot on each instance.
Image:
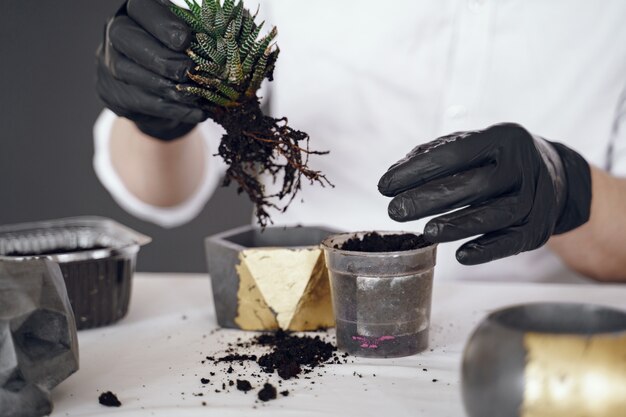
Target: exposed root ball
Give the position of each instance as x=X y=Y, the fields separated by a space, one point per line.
x=255 y=145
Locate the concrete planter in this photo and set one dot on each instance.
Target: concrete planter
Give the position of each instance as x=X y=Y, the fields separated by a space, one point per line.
x=271 y=279
x=547 y=359
x=38 y=341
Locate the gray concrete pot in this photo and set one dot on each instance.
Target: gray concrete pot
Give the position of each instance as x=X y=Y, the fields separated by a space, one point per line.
x=270 y=279
x=38 y=342
x=547 y=359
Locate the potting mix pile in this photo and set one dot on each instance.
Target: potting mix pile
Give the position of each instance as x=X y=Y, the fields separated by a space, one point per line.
x=375 y=242
x=289 y=356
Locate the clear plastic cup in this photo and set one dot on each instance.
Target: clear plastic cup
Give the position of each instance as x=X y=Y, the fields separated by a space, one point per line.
x=381 y=299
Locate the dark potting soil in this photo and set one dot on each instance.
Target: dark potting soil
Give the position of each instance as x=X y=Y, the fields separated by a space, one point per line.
x=267 y=393
x=109 y=399
x=375 y=242
x=243 y=385
x=287 y=355
x=290 y=353
x=235 y=357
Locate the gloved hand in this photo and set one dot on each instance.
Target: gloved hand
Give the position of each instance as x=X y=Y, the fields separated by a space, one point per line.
x=139 y=64
x=519 y=190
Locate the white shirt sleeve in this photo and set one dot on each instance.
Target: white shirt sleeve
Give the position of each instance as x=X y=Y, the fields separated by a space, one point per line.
x=166 y=217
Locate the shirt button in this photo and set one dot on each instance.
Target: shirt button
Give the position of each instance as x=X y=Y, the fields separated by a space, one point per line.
x=456 y=111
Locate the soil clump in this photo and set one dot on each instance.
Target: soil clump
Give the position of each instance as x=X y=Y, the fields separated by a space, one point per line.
x=290 y=353
x=267 y=393
x=109 y=399
x=375 y=242
x=243 y=385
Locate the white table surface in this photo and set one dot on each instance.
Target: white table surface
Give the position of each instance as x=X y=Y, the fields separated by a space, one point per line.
x=154 y=355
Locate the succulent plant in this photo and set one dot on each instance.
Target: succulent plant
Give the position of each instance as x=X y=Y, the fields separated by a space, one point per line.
x=232 y=60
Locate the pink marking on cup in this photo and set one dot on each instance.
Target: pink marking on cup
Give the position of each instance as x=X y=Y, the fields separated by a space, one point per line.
x=383 y=338
x=368 y=343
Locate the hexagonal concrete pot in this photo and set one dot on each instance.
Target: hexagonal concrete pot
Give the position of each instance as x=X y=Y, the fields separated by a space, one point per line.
x=270 y=279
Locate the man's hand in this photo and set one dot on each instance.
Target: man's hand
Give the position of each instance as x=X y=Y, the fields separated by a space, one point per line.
x=139 y=63
x=513 y=188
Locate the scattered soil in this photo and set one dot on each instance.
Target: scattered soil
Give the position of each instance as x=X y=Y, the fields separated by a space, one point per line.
x=109 y=399
x=374 y=242
x=243 y=385
x=237 y=358
x=290 y=353
x=267 y=393
x=56 y=251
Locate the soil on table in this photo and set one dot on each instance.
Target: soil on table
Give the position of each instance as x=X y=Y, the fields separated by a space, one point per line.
x=288 y=355
x=267 y=393
x=109 y=399
x=243 y=385
x=375 y=242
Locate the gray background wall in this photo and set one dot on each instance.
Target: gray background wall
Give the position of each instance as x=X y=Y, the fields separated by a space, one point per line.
x=47 y=109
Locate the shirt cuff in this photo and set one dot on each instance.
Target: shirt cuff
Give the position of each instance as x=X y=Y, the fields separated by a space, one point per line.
x=166 y=217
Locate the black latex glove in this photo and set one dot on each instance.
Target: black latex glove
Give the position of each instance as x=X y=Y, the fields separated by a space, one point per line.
x=139 y=64
x=519 y=190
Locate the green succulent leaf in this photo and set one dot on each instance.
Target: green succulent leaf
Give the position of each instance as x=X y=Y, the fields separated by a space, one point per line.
x=207 y=46
x=259 y=73
x=249 y=42
x=207 y=15
x=248 y=23
x=228 y=7
x=231 y=60
x=211 y=96
x=228 y=91
x=194 y=7
x=198 y=59
x=213 y=70
x=235 y=70
x=194 y=23
x=238 y=20
x=219 y=24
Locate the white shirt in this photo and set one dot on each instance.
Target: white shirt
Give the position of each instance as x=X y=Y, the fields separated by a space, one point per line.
x=370 y=80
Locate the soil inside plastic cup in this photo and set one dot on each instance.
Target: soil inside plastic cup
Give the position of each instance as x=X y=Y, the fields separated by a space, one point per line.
x=381 y=296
